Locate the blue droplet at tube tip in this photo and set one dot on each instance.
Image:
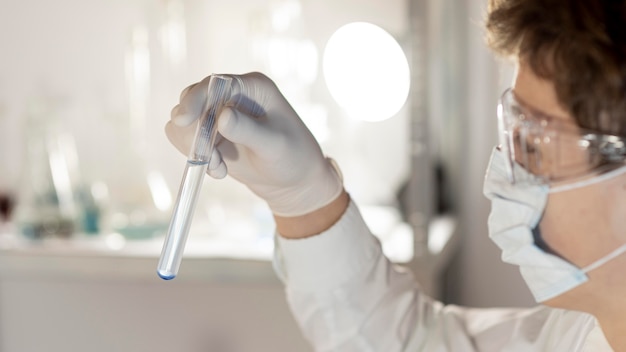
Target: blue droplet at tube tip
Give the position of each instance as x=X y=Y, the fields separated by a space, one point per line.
x=165 y=276
x=218 y=91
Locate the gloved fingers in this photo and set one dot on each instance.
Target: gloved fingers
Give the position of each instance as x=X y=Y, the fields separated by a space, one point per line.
x=220 y=172
x=174 y=115
x=215 y=160
x=184 y=91
x=217 y=168
x=180 y=136
x=251 y=93
x=240 y=128
x=192 y=100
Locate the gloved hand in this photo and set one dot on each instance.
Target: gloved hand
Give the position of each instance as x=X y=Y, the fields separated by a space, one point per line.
x=262 y=144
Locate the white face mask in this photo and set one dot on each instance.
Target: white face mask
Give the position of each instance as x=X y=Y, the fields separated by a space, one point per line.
x=515 y=211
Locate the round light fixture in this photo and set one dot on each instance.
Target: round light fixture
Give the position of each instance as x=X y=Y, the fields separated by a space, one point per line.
x=366 y=71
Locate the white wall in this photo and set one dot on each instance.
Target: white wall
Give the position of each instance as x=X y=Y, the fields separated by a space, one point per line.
x=481 y=278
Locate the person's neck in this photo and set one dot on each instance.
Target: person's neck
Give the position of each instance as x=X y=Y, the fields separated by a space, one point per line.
x=614 y=329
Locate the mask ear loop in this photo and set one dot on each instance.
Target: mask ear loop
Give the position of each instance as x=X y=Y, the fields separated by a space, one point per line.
x=620 y=250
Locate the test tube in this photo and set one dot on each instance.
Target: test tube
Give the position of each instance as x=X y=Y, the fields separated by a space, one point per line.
x=204 y=141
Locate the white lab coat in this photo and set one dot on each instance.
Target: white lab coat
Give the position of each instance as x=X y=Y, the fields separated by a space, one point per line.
x=346 y=296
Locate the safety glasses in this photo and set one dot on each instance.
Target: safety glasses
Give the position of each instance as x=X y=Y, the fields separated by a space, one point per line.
x=547 y=150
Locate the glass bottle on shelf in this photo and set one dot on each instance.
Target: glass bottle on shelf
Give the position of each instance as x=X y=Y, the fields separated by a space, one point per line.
x=46 y=203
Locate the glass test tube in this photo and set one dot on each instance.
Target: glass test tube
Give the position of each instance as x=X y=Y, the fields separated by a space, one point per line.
x=218 y=91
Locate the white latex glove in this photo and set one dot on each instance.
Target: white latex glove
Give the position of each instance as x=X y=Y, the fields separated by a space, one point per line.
x=263 y=144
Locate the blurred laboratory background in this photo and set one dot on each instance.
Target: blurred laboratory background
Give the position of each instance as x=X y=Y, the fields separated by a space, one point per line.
x=402 y=93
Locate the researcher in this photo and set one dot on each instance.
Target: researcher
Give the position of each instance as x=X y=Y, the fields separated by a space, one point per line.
x=557 y=183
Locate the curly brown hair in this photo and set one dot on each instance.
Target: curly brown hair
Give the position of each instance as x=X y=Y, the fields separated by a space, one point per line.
x=580 y=45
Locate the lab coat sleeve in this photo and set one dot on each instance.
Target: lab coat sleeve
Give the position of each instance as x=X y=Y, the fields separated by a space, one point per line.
x=347 y=296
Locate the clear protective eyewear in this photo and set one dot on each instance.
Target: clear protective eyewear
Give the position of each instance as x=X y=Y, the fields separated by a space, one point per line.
x=542 y=149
